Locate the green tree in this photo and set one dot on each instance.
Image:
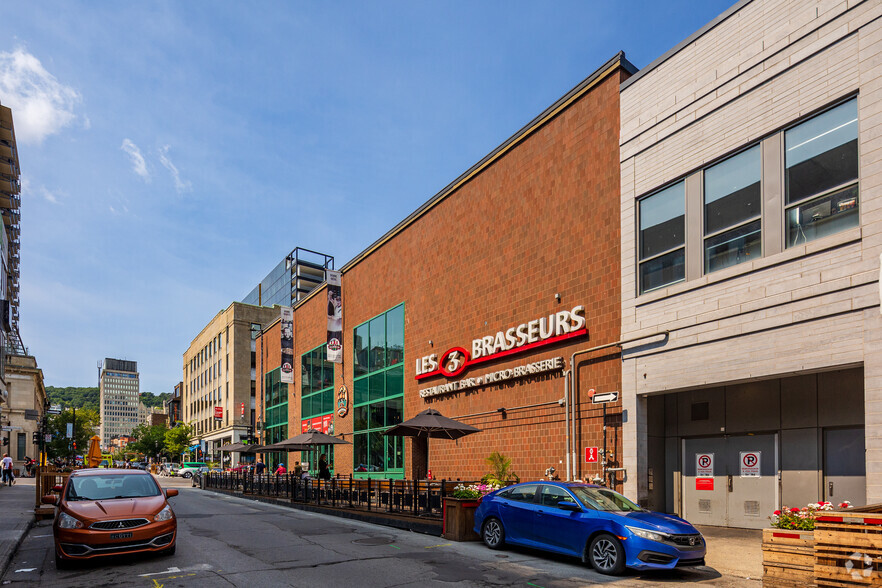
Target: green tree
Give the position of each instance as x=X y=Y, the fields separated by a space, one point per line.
x=149 y=440
x=501 y=473
x=151 y=400
x=72 y=397
x=86 y=422
x=177 y=439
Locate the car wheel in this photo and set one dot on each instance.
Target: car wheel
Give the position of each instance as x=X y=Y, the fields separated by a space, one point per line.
x=186 y=475
x=493 y=533
x=607 y=555
x=61 y=563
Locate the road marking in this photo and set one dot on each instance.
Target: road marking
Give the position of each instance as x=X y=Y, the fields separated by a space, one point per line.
x=532 y=584
x=156 y=584
x=395 y=546
x=175 y=570
x=25 y=570
x=439 y=545
x=36 y=536
x=168 y=571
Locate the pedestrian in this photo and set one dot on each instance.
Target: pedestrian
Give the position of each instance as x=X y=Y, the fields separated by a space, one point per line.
x=259 y=467
x=28 y=464
x=280 y=470
x=8 y=477
x=298 y=470
x=324 y=471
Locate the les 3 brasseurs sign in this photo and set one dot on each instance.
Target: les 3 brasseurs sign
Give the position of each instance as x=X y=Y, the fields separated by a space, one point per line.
x=556 y=327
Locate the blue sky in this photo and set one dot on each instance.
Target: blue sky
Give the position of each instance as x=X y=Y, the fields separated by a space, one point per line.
x=173 y=152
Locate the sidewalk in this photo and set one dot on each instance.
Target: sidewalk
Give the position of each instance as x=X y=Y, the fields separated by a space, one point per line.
x=737 y=552
x=16 y=517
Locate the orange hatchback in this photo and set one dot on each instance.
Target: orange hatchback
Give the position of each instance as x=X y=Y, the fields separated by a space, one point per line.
x=111 y=512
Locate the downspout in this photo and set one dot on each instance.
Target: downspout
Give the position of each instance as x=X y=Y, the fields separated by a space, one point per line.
x=571 y=382
x=566 y=402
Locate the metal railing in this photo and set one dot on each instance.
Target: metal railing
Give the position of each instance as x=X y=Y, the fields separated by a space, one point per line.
x=412 y=497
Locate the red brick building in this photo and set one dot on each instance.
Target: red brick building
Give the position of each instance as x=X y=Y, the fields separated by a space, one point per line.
x=489 y=287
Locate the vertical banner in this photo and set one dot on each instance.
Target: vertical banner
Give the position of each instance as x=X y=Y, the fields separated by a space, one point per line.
x=335 y=318
x=287 y=332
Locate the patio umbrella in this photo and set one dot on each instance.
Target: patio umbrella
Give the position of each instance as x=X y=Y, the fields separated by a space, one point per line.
x=306 y=441
x=94 y=454
x=232 y=447
x=431 y=424
x=285 y=446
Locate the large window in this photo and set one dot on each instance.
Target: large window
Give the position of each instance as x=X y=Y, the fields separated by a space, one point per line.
x=821 y=160
x=275 y=413
x=378 y=395
x=732 y=210
x=317 y=399
x=662 y=238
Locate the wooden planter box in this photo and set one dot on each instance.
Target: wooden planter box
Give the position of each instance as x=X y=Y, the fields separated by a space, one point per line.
x=848 y=549
x=788 y=558
x=459 y=519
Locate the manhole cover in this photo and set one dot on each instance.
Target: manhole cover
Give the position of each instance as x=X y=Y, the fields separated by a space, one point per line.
x=374 y=541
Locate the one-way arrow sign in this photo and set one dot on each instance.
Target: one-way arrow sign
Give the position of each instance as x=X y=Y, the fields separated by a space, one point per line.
x=604 y=397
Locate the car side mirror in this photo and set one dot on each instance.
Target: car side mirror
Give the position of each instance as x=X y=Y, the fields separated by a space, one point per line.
x=49 y=499
x=57 y=488
x=569 y=505
x=171 y=492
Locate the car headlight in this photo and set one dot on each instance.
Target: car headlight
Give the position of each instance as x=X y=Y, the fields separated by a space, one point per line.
x=651 y=535
x=65 y=521
x=165 y=514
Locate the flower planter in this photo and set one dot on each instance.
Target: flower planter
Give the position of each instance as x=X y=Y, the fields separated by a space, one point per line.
x=459 y=519
x=788 y=558
x=848 y=548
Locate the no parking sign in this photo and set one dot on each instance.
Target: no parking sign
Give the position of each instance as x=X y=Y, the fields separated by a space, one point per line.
x=704 y=465
x=750 y=464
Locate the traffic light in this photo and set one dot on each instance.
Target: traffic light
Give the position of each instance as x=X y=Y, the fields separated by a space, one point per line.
x=35 y=437
x=5 y=441
x=74 y=445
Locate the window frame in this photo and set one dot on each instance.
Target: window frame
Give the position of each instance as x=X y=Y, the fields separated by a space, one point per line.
x=641 y=261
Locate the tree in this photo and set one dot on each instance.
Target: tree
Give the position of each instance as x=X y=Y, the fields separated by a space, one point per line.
x=71 y=397
x=177 y=439
x=149 y=440
x=151 y=400
x=86 y=422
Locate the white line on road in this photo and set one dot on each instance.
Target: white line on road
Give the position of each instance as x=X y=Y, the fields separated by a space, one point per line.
x=175 y=570
x=25 y=570
x=168 y=571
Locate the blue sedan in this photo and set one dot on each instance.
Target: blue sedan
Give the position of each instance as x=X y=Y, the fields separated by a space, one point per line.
x=595 y=523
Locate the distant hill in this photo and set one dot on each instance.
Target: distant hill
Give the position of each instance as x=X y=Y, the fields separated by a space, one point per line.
x=74 y=397
x=71 y=397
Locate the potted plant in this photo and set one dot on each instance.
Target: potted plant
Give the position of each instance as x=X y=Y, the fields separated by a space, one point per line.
x=459 y=511
x=789 y=545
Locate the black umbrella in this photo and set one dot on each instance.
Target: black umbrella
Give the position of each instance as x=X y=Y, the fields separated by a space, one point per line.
x=285 y=446
x=232 y=447
x=431 y=424
x=251 y=448
x=306 y=441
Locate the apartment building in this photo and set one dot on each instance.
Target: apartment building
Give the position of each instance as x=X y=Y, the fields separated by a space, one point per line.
x=119 y=390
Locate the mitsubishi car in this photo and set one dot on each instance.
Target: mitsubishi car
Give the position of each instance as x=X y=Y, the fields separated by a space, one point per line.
x=597 y=524
x=110 y=512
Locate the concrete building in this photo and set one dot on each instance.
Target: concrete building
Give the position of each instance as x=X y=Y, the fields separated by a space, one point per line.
x=751 y=215
x=173 y=405
x=218 y=397
x=119 y=390
x=24 y=410
x=524 y=241
x=294 y=277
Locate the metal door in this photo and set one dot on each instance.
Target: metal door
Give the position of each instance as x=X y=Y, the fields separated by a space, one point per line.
x=730 y=481
x=705 y=496
x=845 y=474
x=753 y=480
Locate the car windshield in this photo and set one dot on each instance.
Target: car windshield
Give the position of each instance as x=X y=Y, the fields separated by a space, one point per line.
x=109 y=487
x=604 y=499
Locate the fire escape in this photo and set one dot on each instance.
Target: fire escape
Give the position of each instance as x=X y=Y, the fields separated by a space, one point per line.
x=10 y=209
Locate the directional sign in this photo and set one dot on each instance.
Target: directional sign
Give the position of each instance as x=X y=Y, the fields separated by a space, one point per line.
x=604 y=397
x=10 y=428
x=591 y=454
x=54 y=409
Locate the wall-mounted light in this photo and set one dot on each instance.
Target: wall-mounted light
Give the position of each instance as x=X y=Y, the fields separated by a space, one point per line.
x=431 y=343
x=557 y=297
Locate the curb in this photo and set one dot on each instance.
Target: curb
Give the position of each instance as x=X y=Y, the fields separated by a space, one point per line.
x=7 y=557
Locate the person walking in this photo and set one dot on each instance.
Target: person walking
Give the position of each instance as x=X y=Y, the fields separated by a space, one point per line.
x=6 y=464
x=259 y=467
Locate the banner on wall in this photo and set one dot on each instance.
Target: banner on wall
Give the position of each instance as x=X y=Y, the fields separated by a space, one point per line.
x=287 y=333
x=335 y=318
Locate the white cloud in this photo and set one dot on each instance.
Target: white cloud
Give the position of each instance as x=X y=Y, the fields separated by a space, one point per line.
x=180 y=185
x=41 y=105
x=28 y=189
x=139 y=166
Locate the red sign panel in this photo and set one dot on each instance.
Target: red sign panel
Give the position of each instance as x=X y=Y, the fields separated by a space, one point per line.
x=322 y=424
x=704 y=483
x=219 y=413
x=242 y=410
x=591 y=454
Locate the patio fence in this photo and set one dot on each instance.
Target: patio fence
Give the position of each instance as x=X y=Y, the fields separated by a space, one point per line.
x=409 y=497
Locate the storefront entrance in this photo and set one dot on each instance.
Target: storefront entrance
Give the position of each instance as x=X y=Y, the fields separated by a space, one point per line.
x=731 y=480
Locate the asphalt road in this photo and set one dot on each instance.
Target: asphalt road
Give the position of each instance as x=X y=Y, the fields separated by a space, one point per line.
x=225 y=541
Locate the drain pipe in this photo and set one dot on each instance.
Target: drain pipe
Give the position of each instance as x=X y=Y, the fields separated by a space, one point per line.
x=571 y=382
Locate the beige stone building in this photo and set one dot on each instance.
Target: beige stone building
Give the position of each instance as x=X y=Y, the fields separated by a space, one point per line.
x=751 y=166
x=219 y=376
x=24 y=410
x=119 y=387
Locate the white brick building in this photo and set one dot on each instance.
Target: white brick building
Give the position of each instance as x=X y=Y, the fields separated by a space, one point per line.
x=751 y=162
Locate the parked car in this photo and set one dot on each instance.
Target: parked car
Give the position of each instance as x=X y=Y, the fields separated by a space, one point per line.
x=597 y=524
x=189 y=467
x=111 y=512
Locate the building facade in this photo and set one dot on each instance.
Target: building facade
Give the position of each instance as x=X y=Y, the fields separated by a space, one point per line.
x=173 y=405
x=218 y=394
x=476 y=305
x=294 y=277
x=751 y=214
x=119 y=390
x=24 y=410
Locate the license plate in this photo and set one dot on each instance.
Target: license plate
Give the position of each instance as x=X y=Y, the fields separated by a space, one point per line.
x=120 y=535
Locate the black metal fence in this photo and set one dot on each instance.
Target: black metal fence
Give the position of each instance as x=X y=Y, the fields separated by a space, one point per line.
x=413 y=497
